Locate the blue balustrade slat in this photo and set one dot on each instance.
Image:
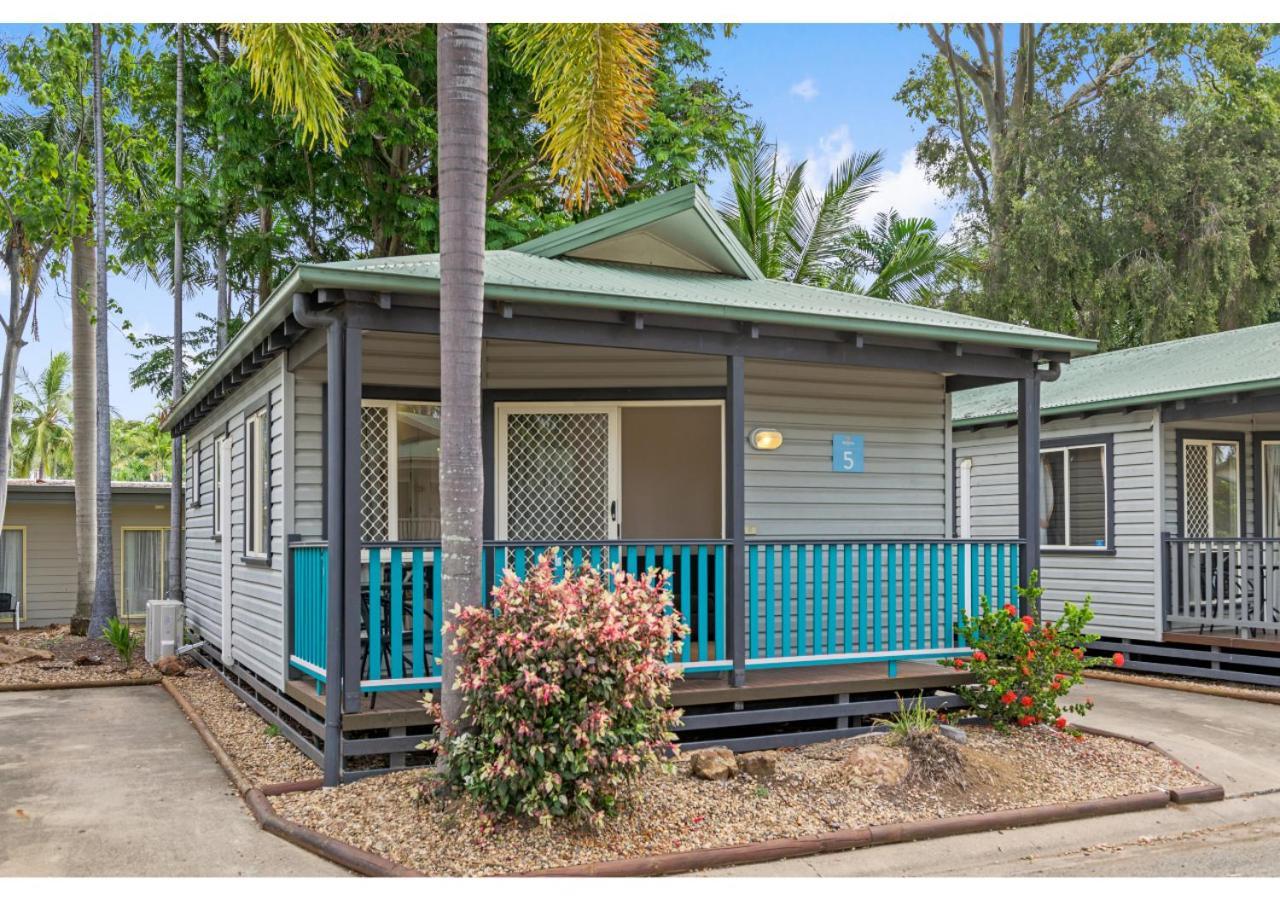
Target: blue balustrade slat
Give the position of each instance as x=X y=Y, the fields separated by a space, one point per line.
x=787 y=642
x=832 y=613
x=753 y=600
x=686 y=599
x=770 y=644
x=375 y=613
x=437 y=609
x=702 y=602
x=878 y=620
x=848 y=598
x=948 y=633
x=815 y=631
x=720 y=597
x=397 y=613
x=862 y=598
x=802 y=601
x=890 y=593
x=419 y=613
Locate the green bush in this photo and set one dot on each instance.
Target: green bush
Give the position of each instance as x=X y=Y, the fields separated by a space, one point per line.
x=1022 y=668
x=124 y=640
x=566 y=687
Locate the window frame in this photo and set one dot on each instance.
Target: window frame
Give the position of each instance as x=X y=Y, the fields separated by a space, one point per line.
x=215 y=519
x=1064 y=445
x=1184 y=437
x=164 y=569
x=392 y=404
x=1261 y=440
x=257 y=484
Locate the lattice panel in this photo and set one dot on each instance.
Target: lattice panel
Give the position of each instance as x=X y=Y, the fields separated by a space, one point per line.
x=375 y=481
x=1195 y=486
x=558 y=476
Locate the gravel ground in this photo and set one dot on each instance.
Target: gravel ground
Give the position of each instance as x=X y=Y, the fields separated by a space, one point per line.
x=66 y=648
x=816 y=789
x=264 y=758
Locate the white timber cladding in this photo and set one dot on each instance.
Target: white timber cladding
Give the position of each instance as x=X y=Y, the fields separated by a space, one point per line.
x=1123 y=584
x=790 y=492
x=258 y=605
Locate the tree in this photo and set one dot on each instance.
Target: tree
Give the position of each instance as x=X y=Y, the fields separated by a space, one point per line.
x=104 y=594
x=174 y=587
x=42 y=423
x=904 y=258
x=792 y=233
x=1121 y=177
x=140 y=451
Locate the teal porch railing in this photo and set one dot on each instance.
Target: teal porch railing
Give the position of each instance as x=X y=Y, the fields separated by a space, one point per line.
x=807 y=602
x=818 y=602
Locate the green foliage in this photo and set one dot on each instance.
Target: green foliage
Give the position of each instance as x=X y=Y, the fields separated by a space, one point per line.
x=140 y=451
x=1128 y=192
x=914 y=719
x=1022 y=669
x=272 y=731
x=123 y=640
x=567 y=691
x=42 y=434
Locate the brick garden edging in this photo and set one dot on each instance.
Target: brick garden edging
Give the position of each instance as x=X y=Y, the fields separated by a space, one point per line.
x=72 y=685
x=366 y=863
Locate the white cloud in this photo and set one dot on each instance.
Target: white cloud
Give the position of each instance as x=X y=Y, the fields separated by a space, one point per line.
x=908 y=190
x=806 y=90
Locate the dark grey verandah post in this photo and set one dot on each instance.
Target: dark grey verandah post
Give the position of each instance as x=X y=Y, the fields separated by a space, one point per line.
x=735 y=514
x=352 y=391
x=1028 y=480
x=335 y=478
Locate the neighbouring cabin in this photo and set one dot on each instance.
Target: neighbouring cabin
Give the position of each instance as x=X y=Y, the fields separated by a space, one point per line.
x=648 y=399
x=38 y=560
x=1160 y=476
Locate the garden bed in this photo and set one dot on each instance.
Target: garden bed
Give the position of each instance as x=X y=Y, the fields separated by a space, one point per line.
x=264 y=756
x=816 y=790
x=63 y=649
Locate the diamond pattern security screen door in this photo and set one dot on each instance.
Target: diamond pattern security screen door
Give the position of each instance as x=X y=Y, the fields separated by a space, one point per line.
x=375 y=467
x=557 y=477
x=1211 y=488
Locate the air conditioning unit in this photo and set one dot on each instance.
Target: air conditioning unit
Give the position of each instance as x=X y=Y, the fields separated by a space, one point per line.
x=166 y=621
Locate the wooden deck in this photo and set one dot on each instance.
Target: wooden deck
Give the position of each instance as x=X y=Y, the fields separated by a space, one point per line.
x=403 y=709
x=1266 y=641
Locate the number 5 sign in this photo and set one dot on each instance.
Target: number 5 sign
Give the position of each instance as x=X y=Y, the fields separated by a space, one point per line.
x=846 y=453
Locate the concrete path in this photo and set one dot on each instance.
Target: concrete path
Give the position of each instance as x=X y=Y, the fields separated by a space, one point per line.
x=1233 y=742
x=114 y=781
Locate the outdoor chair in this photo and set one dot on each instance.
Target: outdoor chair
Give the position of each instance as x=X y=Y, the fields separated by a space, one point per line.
x=12 y=608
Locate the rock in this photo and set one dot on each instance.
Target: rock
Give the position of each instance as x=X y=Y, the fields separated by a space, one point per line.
x=713 y=764
x=88 y=660
x=53 y=666
x=951 y=731
x=170 y=665
x=875 y=764
x=11 y=655
x=761 y=764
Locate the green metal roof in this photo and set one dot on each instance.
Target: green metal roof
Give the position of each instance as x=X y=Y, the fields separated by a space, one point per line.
x=1247 y=359
x=545 y=271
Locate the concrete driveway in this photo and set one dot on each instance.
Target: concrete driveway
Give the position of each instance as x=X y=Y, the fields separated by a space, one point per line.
x=114 y=781
x=1233 y=742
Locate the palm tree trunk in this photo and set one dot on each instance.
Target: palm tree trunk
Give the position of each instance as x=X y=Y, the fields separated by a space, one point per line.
x=13 y=343
x=82 y=393
x=174 y=591
x=104 y=588
x=265 y=225
x=462 y=60
x=220 y=251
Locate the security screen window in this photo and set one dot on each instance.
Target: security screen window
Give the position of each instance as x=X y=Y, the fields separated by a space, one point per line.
x=1073 y=497
x=1211 y=488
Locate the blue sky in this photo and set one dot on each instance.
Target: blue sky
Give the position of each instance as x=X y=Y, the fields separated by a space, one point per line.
x=822 y=91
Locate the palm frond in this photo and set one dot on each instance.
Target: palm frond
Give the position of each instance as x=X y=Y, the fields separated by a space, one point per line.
x=592 y=84
x=296 y=65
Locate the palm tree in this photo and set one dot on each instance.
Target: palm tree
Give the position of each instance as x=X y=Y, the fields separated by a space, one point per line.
x=791 y=232
x=175 y=479
x=42 y=443
x=905 y=258
x=104 y=594
x=82 y=413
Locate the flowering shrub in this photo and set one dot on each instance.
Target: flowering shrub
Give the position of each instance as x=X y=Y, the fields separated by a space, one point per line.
x=1022 y=668
x=566 y=689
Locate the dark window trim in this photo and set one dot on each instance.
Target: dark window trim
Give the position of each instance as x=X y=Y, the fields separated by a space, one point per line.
x=193 y=472
x=1259 y=438
x=1107 y=441
x=1181 y=436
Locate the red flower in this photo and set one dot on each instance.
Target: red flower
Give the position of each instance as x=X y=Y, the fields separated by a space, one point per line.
x=958 y=663
x=1027 y=620
x=1024 y=721
x=992 y=682
x=1060 y=723
x=1027 y=700
x=1118 y=659
x=1027 y=626
x=979 y=656
x=1011 y=609
x=1008 y=697
x=1031 y=654
x=1078 y=653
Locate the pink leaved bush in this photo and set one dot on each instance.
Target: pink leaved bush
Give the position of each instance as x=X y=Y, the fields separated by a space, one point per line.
x=567 y=690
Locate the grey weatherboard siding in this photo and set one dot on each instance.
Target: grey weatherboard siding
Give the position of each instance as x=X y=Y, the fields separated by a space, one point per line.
x=1124 y=586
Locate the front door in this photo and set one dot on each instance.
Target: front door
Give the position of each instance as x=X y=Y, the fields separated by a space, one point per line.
x=557 y=472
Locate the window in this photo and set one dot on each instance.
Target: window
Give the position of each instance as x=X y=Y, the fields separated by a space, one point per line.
x=13 y=565
x=1269 y=459
x=399 y=471
x=1211 y=488
x=257 y=462
x=143 y=568
x=1074 y=507
x=193 y=474
x=217 y=487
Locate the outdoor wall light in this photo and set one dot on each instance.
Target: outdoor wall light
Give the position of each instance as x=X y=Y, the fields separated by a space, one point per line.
x=766 y=439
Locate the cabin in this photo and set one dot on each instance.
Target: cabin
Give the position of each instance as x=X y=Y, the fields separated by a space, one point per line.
x=1160 y=497
x=649 y=399
x=38 y=550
